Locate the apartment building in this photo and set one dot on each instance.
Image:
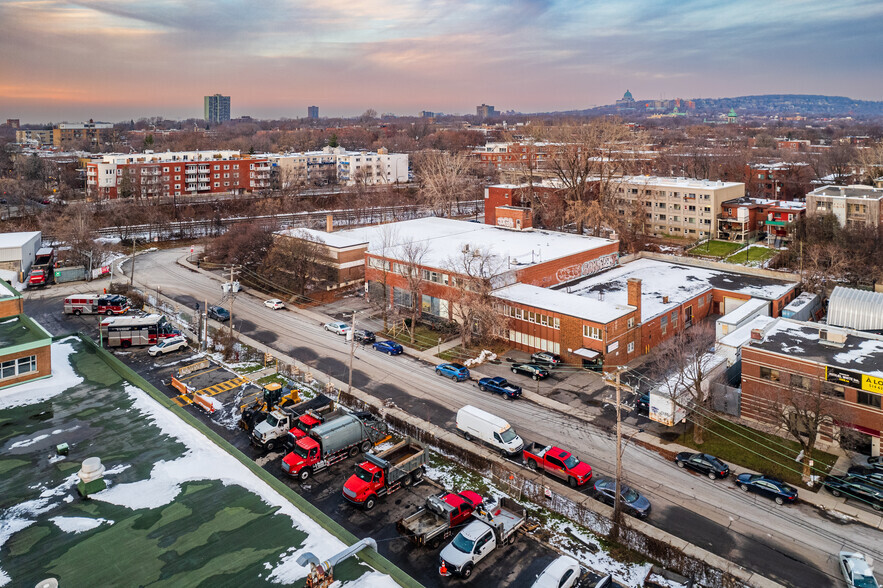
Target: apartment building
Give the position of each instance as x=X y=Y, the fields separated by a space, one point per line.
x=151 y=175
x=746 y=219
x=852 y=205
x=676 y=207
x=68 y=135
x=216 y=108
x=781 y=180
x=39 y=136
x=337 y=165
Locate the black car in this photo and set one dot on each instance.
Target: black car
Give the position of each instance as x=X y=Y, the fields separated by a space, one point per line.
x=703 y=463
x=870 y=475
x=766 y=486
x=536 y=372
x=642 y=405
x=852 y=487
x=219 y=313
x=546 y=358
x=364 y=337
x=633 y=502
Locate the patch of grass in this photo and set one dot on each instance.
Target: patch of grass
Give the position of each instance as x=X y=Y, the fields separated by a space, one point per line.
x=249 y=369
x=279 y=378
x=715 y=249
x=759 y=451
x=425 y=337
x=752 y=256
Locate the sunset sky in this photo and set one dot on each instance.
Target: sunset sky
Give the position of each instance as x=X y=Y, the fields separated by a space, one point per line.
x=113 y=60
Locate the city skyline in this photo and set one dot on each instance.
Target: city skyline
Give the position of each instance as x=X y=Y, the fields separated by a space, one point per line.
x=119 y=60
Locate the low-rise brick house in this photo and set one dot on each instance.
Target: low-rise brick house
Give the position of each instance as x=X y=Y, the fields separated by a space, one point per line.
x=844 y=364
x=616 y=316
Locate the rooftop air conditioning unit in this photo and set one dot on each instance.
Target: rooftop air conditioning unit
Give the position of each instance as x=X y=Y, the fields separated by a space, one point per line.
x=829 y=336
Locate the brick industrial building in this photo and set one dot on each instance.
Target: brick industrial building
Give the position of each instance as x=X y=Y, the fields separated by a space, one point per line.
x=791 y=357
x=151 y=175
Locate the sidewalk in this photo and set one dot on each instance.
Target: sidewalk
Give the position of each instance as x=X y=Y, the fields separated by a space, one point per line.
x=820 y=499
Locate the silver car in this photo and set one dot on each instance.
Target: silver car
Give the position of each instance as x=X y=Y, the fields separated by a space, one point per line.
x=168 y=345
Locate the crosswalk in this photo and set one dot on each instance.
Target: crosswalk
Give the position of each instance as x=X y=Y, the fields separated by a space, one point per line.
x=185 y=399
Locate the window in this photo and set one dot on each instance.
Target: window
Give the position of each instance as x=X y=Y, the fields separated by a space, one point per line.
x=380 y=264
x=631 y=347
x=18 y=367
x=165 y=169
x=591 y=332
x=801 y=382
x=832 y=390
x=177 y=169
x=217 y=184
x=701 y=301
x=674 y=319
x=866 y=398
x=663 y=323
x=630 y=323
x=217 y=167
x=769 y=374
x=401 y=297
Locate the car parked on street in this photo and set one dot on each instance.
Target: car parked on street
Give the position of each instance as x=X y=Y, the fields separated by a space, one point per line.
x=857 y=570
x=388 y=347
x=633 y=502
x=875 y=462
x=546 y=358
x=768 y=487
x=455 y=371
x=168 y=345
x=853 y=487
x=364 y=337
x=642 y=405
x=871 y=475
x=501 y=386
x=219 y=313
x=563 y=572
x=533 y=370
x=274 y=303
x=703 y=463
x=338 y=328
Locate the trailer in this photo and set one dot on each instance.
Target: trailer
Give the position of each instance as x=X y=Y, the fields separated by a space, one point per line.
x=385 y=473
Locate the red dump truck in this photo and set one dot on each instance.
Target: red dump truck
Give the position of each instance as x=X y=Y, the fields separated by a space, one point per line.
x=43 y=269
x=440 y=518
x=385 y=473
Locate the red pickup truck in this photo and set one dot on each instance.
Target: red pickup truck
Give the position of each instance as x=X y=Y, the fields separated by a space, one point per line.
x=440 y=518
x=557 y=462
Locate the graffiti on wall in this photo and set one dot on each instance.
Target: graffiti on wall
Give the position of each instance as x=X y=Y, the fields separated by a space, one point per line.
x=588 y=268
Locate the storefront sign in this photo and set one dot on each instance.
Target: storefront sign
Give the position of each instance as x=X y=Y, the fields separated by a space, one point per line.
x=854 y=379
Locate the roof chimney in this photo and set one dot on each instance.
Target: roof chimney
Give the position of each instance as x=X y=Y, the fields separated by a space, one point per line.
x=329 y=223
x=634 y=294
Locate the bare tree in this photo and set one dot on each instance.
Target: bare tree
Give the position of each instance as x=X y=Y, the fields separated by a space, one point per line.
x=383 y=250
x=296 y=261
x=414 y=253
x=76 y=228
x=446 y=180
x=805 y=408
x=687 y=370
x=476 y=272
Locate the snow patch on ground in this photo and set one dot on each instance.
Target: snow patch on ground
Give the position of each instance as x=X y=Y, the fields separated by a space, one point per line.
x=28 y=442
x=206 y=461
x=63 y=378
x=78 y=524
x=484 y=356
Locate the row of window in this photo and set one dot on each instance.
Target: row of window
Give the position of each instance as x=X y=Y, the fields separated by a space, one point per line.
x=533 y=317
x=18 y=367
x=534 y=342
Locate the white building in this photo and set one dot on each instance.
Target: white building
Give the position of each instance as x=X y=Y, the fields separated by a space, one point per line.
x=336 y=164
x=18 y=250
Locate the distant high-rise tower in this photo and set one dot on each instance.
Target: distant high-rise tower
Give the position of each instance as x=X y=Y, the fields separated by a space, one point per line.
x=217 y=108
x=312 y=112
x=486 y=111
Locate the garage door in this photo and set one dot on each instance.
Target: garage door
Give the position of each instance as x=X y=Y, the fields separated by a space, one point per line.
x=731 y=304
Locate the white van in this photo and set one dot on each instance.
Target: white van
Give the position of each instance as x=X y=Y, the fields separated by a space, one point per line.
x=475 y=423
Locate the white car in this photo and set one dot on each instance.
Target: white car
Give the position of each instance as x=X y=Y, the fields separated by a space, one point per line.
x=564 y=572
x=168 y=345
x=339 y=328
x=857 y=570
x=274 y=303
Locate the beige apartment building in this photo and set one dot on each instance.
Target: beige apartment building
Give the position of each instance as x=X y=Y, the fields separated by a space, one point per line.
x=677 y=207
x=851 y=205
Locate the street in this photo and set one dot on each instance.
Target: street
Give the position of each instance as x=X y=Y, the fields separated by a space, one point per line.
x=796 y=545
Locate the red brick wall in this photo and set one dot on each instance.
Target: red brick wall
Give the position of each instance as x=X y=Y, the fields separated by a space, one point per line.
x=10 y=307
x=44 y=364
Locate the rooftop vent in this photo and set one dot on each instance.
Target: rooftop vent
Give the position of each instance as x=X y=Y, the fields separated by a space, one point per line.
x=665 y=299
x=835 y=337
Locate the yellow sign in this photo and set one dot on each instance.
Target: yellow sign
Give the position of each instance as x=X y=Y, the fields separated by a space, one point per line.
x=872 y=384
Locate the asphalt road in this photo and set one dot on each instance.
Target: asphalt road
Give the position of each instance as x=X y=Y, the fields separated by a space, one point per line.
x=795 y=545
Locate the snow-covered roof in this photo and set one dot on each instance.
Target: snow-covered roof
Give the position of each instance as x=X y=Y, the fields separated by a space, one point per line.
x=744 y=311
x=742 y=335
x=665 y=286
x=856 y=309
x=8 y=240
x=860 y=352
x=853 y=191
x=801 y=301
x=334 y=239
x=447 y=237
x=668 y=182
x=599 y=311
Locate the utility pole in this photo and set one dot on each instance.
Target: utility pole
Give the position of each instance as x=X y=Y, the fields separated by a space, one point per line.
x=349 y=384
x=232 y=296
x=617 y=499
x=132 y=275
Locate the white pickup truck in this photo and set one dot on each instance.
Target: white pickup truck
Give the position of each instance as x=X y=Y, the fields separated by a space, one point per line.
x=495 y=524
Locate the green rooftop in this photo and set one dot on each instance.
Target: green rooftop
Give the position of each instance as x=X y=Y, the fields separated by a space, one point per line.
x=20 y=332
x=180 y=508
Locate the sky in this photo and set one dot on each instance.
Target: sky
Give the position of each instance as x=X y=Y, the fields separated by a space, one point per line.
x=113 y=60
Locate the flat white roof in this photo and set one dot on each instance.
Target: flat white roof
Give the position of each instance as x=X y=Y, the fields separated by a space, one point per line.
x=677 y=283
x=679 y=182
x=742 y=335
x=740 y=314
x=8 y=240
x=599 y=311
x=446 y=238
x=338 y=239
